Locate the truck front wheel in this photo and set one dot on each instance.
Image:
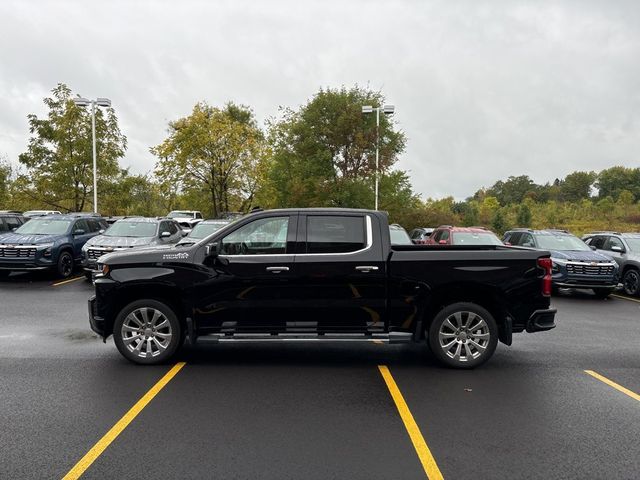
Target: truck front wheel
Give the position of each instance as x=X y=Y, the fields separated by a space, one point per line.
x=463 y=335
x=147 y=332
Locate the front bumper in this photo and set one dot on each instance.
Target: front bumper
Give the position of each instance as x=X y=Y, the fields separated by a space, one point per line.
x=612 y=285
x=96 y=322
x=541 y=320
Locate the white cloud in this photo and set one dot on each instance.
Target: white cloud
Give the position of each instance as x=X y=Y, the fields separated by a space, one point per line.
x=483 y=90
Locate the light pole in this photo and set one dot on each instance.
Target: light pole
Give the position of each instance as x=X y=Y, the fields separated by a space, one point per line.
x=101 y=102
x=387 y=110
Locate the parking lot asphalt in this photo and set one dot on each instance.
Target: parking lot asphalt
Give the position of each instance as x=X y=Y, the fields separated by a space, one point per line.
x=309 y=410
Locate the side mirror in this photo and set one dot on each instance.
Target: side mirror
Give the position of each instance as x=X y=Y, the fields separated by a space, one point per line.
x=211 y=250
x=508 y=244
x=101 y=231
x=184 y=233
x=14 y=229
x=79 y=231
x=442 y=242
x=593 y=247
x=618 y=249
x=165 y=234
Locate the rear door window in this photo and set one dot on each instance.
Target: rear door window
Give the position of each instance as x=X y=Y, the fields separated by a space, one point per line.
x=335 y=234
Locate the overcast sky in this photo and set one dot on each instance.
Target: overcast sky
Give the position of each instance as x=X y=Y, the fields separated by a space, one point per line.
x=483 y=90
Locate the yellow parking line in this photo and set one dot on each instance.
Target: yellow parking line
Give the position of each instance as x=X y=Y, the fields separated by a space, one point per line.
x=91 y=456
x=625 y=298
x=67 y=281
x=613 y=384
x=424 y=454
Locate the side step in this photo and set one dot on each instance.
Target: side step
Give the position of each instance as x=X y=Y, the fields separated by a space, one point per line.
x=392 y=337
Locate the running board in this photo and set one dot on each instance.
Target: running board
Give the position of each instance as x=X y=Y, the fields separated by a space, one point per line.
x=393 y=337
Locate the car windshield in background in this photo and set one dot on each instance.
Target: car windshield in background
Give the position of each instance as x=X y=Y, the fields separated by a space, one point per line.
x=634 y=243
x=131 y=229
x=204 y=230
x=178 y=214
x=561 y=242
x=475 y=238
x=44 y=227
x=399 y=237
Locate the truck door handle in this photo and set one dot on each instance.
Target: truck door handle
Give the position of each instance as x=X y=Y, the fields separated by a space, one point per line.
x=277 y=269
x=366 y=268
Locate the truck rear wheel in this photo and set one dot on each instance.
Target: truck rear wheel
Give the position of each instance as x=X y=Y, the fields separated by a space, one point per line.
x=147 y=332
x=463 y=335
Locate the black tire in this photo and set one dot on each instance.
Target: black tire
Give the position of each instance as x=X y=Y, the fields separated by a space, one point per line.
x=64 y=267
x=136 y=349
x=464 y=342
x=631 y=282
x=601 y=294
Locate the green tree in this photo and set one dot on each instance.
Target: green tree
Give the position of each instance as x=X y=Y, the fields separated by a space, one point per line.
x=499 y=223
x=614 y=180
x=59 y=157
x=577 y=186
x=217 y=150
x=513 y=190
x=5 y=180
x=523 y=218
x=324 y=153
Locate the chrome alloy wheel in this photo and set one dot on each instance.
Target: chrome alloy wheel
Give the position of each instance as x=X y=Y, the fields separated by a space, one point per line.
x=146 y=332
x=464 y=336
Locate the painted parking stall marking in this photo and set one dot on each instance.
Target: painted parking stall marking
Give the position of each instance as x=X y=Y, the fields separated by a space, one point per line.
x=64 y=282
x=613 y=384
x=85 y=462
x=424 y=454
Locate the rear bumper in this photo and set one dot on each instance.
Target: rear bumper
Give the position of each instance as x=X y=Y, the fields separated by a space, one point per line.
x=541 y=320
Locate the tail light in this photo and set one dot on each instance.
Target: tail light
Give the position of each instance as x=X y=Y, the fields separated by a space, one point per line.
x=546 y=265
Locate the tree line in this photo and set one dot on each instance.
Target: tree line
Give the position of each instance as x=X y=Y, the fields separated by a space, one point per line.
x=218 y=159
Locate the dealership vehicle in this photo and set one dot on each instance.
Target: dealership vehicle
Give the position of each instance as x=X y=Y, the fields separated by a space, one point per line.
x=186 y=218
x=399 y=235
x=10 y=221
x=53 y=243
x=624 y=248
x=40 y=213
x=131 y=232
x=575 y=264
x=204 y=229
x=449 y=235
x=420 y=236
x=320 y=274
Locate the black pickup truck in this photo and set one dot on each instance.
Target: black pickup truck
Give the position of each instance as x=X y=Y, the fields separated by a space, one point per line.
x=320 y=274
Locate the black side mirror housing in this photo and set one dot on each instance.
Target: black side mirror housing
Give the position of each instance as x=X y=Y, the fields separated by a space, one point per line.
x=211 y=250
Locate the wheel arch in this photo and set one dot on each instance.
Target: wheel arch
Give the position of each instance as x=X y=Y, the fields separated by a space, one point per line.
x=489 y=298
x=169 y=295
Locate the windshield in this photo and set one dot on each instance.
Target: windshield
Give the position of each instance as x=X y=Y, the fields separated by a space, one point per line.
x=634 y=244
x=475 y=238
x=561 y=242
x=179 y=213
x=44 y=227
x=399 y=237
x=123 y=228
x=204 y=230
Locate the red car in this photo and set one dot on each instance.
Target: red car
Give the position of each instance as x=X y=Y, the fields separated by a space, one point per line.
x=448 y=235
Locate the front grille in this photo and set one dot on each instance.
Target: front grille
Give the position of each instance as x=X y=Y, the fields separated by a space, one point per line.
x=94 y=254
x=17 y=252
x=588 y=269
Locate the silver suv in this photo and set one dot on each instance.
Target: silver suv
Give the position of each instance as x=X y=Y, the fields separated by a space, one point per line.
x=624 y=248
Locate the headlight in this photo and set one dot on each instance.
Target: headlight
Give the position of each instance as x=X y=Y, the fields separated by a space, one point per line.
x=103 y=268
x=555 y=268
x=44 y=246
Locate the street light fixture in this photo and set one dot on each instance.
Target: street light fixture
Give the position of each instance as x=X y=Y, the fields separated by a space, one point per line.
x=101 y=102
x=387 y=110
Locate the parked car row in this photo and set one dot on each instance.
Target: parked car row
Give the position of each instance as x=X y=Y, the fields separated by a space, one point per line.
x=61 y=242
